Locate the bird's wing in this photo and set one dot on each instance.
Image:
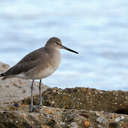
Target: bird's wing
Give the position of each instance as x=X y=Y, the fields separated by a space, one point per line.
x=27 y=63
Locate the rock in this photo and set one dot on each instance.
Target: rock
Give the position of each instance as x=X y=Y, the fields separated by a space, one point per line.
x=113 y=125
x=64 y=108
x=119 y=118
x=87 y=98
x=102 y=120
x=74 y=125
x=57 y=118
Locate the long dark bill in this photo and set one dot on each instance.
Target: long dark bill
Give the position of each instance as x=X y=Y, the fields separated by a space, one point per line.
x=69 y=49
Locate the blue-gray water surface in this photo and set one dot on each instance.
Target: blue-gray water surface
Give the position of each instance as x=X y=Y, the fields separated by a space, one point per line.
x=97 y=29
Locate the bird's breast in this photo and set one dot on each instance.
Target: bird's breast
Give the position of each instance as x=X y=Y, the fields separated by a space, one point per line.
x=51 y=64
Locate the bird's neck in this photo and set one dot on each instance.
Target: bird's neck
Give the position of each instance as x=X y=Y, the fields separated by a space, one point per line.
x=51 y=48
x=55 y=55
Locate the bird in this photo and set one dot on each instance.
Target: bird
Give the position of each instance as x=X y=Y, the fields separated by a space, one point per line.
x=38 y=65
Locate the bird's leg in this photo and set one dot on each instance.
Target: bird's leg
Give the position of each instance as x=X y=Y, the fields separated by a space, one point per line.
x=40 y=94
x=31 y=105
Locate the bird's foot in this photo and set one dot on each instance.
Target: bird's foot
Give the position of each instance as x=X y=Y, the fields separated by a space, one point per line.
x=34 y=108
x=39 y=106
x=31 y=108
x=40 y=103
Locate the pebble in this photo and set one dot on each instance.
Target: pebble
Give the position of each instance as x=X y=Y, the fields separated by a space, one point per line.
x=102 y=120
x=119 y=118
x=74 y=125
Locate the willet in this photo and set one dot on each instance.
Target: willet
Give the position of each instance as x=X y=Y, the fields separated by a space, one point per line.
x=38 y=64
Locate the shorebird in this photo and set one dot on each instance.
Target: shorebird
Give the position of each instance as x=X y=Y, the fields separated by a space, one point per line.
x=38 y=64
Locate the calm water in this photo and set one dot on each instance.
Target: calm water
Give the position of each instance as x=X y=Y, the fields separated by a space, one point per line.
x=97 y=29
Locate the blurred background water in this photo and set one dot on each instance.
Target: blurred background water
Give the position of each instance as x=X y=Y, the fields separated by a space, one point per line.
x=97 y=29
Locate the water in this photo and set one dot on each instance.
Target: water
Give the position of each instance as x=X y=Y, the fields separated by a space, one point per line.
x=97 y=29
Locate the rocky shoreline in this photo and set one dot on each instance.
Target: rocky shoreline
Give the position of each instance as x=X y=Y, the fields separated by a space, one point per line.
x=62 y=108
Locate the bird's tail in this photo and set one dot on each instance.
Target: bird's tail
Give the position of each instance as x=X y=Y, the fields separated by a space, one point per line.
x=3 y=75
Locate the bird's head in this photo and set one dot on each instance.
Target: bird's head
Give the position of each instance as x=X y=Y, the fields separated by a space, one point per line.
x=56 y=43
